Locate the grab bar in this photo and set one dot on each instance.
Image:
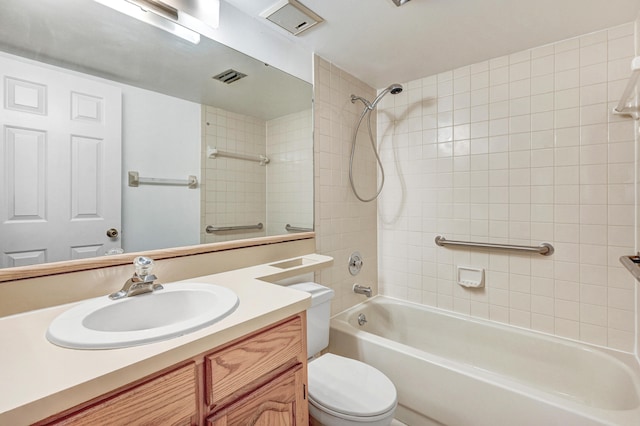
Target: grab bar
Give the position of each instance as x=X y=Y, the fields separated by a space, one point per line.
x=211 y=229
x=544 y=249
x=297 y=229
x=213 y=153
x=135 y=180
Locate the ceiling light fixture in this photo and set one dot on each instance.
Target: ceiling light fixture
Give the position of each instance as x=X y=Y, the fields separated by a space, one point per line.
x=155 y=13
x=400 y=2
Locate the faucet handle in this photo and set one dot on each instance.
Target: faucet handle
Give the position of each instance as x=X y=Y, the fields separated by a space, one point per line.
x=355 y=263
x=143 y=266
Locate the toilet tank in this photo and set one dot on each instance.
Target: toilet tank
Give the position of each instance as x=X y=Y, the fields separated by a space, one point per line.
x=317 y=316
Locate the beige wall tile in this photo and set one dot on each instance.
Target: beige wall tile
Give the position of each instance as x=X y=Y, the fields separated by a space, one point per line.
x=527 y=151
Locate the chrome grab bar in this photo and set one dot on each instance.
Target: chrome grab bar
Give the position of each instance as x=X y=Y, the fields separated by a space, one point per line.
x=214 y=153
x=211 y=229
x=297 y=229
x=136 y=180
x=544 y=249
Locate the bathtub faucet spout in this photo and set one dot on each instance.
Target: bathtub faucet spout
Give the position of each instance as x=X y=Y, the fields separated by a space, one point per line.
x=360 y=289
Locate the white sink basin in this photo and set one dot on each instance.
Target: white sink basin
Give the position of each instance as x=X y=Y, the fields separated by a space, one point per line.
x=178 y=309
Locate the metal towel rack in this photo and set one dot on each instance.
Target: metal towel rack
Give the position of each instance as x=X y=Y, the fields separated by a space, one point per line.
x=211 y=229
x=215 y=153
x=544 y=249
x=135 y=180
x=297 y=229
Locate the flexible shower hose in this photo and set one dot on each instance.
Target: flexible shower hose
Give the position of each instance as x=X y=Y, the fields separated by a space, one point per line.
x=366 y=111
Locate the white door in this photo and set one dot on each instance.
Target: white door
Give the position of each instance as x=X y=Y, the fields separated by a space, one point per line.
x=60 y=159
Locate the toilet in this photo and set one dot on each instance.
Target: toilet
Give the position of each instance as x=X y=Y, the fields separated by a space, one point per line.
x=342 y=391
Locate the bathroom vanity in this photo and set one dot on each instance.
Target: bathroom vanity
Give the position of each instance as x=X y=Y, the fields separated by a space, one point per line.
x=248 y=368
x=257 y=379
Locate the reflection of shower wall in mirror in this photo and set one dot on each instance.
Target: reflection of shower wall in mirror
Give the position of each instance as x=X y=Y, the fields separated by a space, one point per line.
x=239 y=192
x=234 y=192
x=290 y=172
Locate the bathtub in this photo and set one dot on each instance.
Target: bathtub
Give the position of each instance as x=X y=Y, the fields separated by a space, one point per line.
x=455 y=370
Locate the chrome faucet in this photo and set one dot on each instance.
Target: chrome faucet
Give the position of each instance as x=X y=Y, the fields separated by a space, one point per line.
x=141 y=282
x=360 y=289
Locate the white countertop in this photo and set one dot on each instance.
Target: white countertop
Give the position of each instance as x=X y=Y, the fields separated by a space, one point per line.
x=38 y=379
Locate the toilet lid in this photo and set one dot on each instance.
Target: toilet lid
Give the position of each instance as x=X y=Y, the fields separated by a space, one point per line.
x=350 y=387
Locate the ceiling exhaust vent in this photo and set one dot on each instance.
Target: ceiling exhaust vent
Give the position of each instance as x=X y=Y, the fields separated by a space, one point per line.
x=292 y=16
x=229 y=76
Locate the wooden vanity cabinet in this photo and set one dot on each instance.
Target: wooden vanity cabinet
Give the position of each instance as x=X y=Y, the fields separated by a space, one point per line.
x=259 y=379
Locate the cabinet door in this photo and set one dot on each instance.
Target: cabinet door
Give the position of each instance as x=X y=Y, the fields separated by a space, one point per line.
x=280 y=402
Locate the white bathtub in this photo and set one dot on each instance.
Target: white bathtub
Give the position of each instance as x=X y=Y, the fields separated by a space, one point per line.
x=455 y=370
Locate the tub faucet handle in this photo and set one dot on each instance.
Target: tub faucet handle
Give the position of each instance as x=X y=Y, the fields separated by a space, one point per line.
x=355 y=263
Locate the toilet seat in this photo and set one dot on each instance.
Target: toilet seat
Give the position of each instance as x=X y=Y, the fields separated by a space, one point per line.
x=350 y=389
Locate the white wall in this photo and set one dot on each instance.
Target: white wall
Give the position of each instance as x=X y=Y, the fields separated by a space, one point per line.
x=161 y=138
x=519 y=149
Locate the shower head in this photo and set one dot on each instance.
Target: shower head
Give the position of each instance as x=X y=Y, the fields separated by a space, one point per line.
x=394 y=89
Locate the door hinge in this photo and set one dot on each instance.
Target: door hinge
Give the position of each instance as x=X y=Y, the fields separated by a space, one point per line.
x=304 y=391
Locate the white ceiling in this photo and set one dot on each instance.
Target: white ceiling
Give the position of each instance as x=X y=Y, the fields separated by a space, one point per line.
x=380 y=43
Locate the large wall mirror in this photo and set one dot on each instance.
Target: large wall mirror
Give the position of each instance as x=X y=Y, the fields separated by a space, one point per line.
x=116 y=135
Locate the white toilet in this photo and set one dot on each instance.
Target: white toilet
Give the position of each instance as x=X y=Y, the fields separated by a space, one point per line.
x=342 y=391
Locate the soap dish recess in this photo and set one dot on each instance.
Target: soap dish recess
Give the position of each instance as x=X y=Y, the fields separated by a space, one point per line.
x=470 y=277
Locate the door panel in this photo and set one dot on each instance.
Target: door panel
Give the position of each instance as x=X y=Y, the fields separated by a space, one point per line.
x=86 y=170
x=25 y=174
x=60 y=153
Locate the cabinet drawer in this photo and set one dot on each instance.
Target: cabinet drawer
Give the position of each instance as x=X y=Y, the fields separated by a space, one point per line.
x=279 y=402
x=246 y=364
x=170 y=399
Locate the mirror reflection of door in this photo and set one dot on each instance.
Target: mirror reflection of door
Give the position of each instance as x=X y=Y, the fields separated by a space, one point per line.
x=60 y=159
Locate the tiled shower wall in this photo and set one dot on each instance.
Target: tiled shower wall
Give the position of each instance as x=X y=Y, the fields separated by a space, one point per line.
x=234 y=192
x=342 y=223
x=239 y=192
x=520 y=149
